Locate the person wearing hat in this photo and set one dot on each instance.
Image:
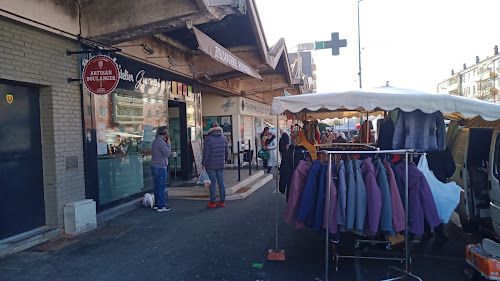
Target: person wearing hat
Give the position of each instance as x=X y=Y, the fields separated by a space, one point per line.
x=215 y=152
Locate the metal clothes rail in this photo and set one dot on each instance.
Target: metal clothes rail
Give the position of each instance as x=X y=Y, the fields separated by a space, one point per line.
x=407 y=152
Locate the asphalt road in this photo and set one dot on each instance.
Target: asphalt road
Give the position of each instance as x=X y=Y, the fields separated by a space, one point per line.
x=193 y=242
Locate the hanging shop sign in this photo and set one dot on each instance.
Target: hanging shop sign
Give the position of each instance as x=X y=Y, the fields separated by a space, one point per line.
x=222 y=55
x=101 y=75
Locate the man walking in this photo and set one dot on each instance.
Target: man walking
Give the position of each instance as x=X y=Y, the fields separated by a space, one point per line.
x=160 y=153
x=215 y=151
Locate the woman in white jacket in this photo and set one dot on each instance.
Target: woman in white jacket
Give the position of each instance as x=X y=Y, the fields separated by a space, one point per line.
x=271 y=146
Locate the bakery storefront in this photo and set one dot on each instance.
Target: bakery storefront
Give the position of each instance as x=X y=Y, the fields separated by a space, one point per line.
x=121 y=126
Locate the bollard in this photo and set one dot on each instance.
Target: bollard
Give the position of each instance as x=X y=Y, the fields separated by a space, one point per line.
x=249 y=155
x=239 y=163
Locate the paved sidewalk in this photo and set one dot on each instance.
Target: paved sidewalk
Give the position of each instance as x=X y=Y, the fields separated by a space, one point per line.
x=193 y=242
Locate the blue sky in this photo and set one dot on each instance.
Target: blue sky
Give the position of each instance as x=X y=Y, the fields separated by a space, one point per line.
x=411 y=44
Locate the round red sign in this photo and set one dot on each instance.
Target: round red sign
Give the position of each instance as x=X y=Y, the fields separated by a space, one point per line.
x=101 y=75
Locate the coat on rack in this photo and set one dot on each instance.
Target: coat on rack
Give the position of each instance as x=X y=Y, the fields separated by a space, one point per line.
x=307 y=203
x=386 y=213
x=316 y=223
x=420 y=201
x=373 y=197
x=332 y=217
x=398 y=213
x=351 y=196
x=341 y=196
x=299 y=179
x=361 y=199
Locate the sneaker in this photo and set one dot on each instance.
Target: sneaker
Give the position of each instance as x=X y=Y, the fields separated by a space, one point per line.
x=211 y=205
x=164 y=209
x=221 y=204
x=155 y=207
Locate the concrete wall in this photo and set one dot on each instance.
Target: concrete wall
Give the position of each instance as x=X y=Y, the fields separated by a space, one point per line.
x=60 y=14
x=32 y=56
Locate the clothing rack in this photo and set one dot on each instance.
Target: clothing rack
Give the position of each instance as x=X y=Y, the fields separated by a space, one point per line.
x=406 y=271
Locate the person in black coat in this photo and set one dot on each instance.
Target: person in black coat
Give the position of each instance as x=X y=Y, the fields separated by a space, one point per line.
x=284 y=141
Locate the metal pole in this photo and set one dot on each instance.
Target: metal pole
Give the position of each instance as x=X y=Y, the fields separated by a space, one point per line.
x=239 y=163
x=277 y=182
x=256 y=156
x=406 y=212
x=249 y=155
x=328 y=214
x=359 y=48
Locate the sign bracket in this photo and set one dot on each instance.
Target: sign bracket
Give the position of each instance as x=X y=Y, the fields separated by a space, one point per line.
x=96 y=51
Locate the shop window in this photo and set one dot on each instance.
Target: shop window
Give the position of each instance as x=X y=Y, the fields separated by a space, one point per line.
x=102 y=111
x=496 y=164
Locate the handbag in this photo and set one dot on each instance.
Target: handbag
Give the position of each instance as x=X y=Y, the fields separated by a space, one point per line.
x=263 y=153
x=204 y=179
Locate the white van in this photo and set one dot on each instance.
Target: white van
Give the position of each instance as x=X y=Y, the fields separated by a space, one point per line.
x=476 y=151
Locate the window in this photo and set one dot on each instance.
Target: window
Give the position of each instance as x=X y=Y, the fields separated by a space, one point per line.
x=149 y=113
x=89 y=110
x=136 y=128
x=496 y=164
x=121 y=128
x=102 y=111
x=157 y=114
x=165 y=115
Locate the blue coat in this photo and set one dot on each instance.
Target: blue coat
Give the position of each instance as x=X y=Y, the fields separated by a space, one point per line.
x=319 y=214
x=386 y=214
x=308 y=201
x=215 y=150
x=351 y=196
x=360 y=199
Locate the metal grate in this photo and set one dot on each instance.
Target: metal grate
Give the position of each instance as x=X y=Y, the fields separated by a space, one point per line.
x=71 y=162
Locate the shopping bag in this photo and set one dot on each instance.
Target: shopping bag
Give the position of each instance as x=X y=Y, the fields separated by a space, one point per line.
x=204 y=179
x=263 y=153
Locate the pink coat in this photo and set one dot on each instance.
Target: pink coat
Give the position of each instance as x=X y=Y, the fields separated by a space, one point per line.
x=296 y=189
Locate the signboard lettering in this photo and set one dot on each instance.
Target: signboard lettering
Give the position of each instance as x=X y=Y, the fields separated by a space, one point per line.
x=101 y=75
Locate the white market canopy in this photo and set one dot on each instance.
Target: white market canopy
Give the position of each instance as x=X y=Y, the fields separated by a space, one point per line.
x=376 y=100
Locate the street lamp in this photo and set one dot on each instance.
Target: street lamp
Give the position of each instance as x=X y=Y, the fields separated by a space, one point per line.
x=359 y=49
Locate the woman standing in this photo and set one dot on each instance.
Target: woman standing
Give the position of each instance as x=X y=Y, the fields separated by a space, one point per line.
x=263 y=142
x=271 y=146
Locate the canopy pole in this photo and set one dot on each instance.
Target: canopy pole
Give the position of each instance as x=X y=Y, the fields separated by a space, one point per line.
x=276 y=254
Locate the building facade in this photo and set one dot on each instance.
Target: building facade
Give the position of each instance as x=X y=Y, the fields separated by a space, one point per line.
x=479 y=81
x=306 y=69
x=61 y=144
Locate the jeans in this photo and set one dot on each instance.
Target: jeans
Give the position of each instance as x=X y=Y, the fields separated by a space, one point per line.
x=217 y=176
x=160 y=185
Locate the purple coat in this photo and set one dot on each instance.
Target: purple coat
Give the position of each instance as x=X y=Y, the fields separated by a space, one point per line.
x=420 y=201
x=296 y=189
x=373 y=196
x=341 y=196
x=398 y=213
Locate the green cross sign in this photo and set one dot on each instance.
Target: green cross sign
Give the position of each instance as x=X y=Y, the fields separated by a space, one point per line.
x=335 y=44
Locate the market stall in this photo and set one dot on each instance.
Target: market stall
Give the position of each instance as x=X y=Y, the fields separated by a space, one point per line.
x=413 y=107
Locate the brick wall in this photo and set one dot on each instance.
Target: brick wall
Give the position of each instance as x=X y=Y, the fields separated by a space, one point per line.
x=37 y=57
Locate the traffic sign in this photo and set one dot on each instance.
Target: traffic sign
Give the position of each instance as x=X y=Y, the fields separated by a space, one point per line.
x=335 y=44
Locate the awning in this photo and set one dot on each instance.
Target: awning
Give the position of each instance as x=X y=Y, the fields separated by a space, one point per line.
x=220 y=54
x=376 y=100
